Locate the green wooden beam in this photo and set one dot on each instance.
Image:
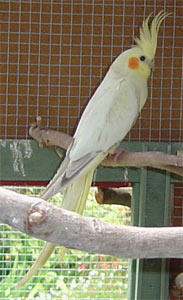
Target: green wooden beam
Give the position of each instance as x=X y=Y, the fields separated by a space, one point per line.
x=23 y=160
x=133 y=262
x=151 y=208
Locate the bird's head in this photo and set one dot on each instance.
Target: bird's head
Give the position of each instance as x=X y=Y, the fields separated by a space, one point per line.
x=140 y=58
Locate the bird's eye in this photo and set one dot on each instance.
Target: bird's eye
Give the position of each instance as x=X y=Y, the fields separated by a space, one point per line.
x=142 y=58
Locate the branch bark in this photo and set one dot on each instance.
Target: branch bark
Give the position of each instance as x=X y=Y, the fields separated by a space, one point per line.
x=154 y=159
x=176 y=286
x=43 y=220
x=47 y=137
x=119 y=196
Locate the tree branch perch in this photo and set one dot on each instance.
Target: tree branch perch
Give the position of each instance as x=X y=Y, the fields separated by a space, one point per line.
x=44 y=221
x=118 y=196
x=154 y=159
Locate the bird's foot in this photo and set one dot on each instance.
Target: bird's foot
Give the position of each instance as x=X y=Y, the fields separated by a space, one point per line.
x=118 y=152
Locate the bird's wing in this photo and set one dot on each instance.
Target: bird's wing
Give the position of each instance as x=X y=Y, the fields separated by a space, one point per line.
x=104 y=123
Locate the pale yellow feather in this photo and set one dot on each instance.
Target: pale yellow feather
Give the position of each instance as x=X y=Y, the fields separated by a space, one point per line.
x=148 y=35
x=74 y=200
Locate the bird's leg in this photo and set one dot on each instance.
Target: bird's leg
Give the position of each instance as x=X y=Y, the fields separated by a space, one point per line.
x=117 y=152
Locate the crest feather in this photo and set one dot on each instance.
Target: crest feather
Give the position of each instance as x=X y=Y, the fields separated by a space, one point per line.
x=149 y=34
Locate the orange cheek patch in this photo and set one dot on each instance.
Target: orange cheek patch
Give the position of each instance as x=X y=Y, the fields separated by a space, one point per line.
x=133 y=63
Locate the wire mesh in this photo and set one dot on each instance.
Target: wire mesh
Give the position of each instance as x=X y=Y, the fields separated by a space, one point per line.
x=79 y=276
x=55 y=53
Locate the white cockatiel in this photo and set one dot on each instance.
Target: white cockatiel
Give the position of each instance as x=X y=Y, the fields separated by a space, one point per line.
x=108 y=117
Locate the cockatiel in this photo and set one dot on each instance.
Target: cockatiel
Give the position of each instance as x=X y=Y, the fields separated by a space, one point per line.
x=108 y=117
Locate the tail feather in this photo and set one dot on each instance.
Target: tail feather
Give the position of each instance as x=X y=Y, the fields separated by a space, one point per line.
x=75 y=197
x=41 y=260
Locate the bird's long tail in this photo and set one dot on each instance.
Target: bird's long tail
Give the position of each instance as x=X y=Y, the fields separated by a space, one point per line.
x=75 y=197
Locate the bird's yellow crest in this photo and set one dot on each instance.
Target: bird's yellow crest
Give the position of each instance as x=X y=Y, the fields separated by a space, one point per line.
x=148 y=34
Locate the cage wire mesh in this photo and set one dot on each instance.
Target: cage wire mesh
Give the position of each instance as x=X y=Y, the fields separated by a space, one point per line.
x=54 y=54
x=80 y=276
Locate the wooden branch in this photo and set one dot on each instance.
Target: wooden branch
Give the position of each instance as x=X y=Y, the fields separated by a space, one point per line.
x=154 y=159
x=176 y=286
x=47 y=137
x=119 y=196
x=43 y=220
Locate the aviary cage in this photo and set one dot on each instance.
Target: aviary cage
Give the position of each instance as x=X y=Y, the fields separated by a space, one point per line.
x=53 y=56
